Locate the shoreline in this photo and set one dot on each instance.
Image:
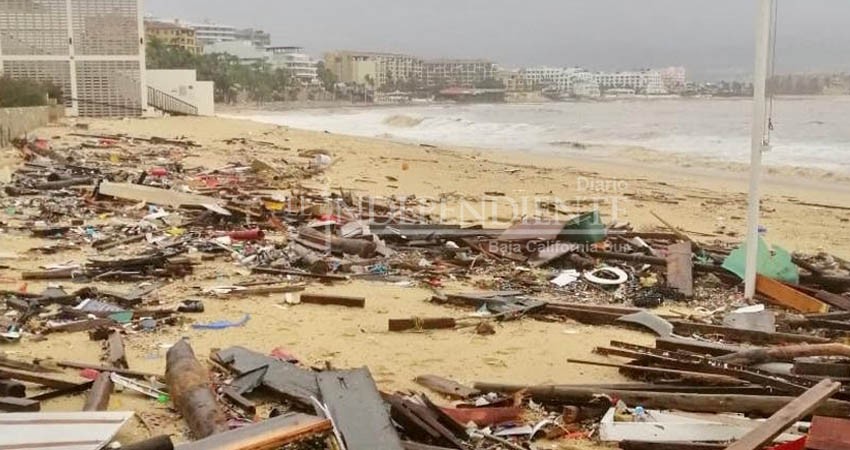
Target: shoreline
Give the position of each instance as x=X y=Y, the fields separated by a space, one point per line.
x=627 y=157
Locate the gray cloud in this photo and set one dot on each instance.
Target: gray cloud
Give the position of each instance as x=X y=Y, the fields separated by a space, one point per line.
x=713 y=38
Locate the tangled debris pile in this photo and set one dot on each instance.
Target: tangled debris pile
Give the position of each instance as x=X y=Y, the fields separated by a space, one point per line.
x=142 y=216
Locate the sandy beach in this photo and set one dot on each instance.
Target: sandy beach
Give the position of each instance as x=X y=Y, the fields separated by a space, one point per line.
x=471 y=186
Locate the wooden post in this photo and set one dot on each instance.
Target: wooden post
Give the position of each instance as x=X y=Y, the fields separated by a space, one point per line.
x=115 y=350
x=98 y=398
x=189 y=385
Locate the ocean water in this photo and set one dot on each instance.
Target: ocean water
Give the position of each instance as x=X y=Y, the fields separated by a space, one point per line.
x=809 y=132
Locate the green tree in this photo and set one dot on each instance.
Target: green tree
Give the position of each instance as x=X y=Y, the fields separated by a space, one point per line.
x=25 y=92
x=326 y=76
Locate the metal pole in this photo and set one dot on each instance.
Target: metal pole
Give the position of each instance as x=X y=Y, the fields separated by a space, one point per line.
x=759 y=137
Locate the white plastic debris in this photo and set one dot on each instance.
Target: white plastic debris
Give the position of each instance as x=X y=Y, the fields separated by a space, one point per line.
x=566 y=277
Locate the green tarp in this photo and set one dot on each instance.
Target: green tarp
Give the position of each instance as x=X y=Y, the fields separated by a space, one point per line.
x=773 y=262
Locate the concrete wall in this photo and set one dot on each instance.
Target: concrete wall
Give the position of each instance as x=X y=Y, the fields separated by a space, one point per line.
x=15 y=122
x=183 y=84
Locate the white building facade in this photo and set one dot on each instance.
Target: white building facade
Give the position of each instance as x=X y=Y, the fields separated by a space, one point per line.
x=293 y=59
x=210 y=33
x=647 y=82
x=93 y=50
x=564 y=81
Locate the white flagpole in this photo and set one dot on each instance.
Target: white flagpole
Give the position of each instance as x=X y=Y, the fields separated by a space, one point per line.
x=759 y=137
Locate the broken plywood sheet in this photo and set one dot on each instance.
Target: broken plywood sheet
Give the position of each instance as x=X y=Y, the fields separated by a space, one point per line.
x=358 y=410
x=158 y=196
x=282 y=377
x=60 y=431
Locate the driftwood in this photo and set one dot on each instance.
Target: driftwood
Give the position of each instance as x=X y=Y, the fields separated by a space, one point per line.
x=189 y=385
x=784 y=353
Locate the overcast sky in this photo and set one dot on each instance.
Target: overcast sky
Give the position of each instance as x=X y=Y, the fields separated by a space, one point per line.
x=712 y=38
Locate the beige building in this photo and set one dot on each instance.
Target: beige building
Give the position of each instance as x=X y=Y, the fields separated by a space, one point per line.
x=372 y=68
x=459 y=72
x=172 y=34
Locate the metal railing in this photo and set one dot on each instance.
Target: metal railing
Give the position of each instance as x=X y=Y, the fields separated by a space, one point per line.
x=169 y=103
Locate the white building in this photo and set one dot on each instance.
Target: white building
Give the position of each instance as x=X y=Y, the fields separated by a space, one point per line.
x=293 y=59
x=459 y=72
x=92 y=49
x=565 y=81
x=210 y=33
x=643 y=82
x=183 y=91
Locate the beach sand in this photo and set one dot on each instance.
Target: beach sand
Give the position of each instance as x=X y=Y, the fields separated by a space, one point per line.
x=473 y=185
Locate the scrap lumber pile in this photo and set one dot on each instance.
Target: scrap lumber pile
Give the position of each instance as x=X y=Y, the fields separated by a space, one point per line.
x=136 y=215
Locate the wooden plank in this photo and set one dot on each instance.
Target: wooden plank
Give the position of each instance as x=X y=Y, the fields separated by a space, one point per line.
x=284 y=378
x=326 y=299
x=115 y=350
x=164 y=197
x=41 y=379
x=782 y=419
x=835 y=300
x=421 y=423
x=101 y=390
x=685 y=375
x=694 y=346
x=680 y=268
x=118 y=370
x=16 y=404
x=682 y=327
x=446 y=387
x=267 y=435
x=425 y=323
x=786 y=296
x=760 y=405
x=358 y=410
x=829 y=433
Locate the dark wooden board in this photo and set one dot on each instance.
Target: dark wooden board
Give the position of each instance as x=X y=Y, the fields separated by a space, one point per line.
x=358 y=410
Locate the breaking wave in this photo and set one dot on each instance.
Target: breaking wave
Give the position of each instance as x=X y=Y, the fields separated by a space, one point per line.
x=402 y=121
